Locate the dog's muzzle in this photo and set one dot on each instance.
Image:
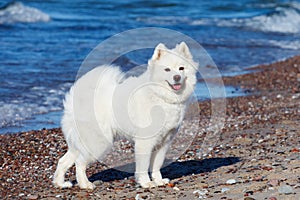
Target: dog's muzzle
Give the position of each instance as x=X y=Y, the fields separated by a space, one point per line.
x=176 y=86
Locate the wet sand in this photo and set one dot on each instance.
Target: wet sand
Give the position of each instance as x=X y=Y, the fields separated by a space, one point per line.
x=257 y=154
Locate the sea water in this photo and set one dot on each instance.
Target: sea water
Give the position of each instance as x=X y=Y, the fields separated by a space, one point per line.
x=43 y=43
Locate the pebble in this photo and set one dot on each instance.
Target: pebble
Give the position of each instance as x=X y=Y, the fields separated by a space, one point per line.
x=249 y=198
x=260 y=140
x=231 y=181
x=264 y=98
x=285 y=189
x=201 y=192
x=98 y=182
x=33 y=197
x=296 y=96
x=224 y=190
x=258 y=178
x=137 y=197
x=271 y=188
x=249 y=193
x=272 y=198
x=273 y=182
x=176 y=188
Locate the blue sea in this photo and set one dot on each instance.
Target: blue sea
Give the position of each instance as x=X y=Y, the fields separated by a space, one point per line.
x=43 y=43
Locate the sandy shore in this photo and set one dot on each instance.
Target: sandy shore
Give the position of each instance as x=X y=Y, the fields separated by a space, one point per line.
x=256 y=157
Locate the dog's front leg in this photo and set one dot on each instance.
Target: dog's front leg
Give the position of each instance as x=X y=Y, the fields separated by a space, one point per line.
x=157 y=161
x=143 y=149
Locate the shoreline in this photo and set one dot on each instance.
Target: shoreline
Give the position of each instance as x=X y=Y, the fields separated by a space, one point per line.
x=232 y=90
x=258 y=150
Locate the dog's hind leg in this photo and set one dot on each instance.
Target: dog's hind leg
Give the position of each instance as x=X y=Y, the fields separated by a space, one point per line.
x=82 y=180
x=64 y=164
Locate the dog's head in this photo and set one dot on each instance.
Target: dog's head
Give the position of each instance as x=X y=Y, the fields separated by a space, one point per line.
x=174 y=68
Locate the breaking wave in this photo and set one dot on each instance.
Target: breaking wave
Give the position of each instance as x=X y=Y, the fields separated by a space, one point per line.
x=17 y=12
x=283 y=19
x=40 y=100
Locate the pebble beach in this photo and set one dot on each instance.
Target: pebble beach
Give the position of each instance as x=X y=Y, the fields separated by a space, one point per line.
x=256 y=157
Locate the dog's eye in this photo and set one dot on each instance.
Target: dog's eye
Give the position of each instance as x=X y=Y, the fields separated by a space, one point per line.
x=181 y=68
x=167 y=69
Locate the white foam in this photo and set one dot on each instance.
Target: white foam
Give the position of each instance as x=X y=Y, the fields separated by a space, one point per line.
x=40 y=100
x=295 y=5
x=283 y=20
x=17 y=12
x=286 y=21
x=12 y=114
x=293 y=45
x=163 y=20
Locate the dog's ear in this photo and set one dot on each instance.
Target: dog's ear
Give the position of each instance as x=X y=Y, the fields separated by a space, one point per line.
x=159 y=50
x=184 y=50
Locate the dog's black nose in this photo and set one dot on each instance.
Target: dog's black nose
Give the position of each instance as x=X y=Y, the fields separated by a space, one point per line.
x=176 y=78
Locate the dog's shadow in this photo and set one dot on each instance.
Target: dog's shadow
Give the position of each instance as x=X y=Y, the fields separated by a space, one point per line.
x=172 y=171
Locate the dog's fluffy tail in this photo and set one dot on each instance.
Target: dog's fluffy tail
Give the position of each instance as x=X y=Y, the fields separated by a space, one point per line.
x=81 y=114
x=108 y=75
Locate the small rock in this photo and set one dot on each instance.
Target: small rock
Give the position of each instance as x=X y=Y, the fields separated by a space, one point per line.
x=273 y=182
x=201 y=192
x=170 y=185
x=285 y=189
x=176 y=188
x=249 y=198
x=276 y=164
x=98 y=182
x=295 y=150
x=224 y=190
x=249 y=193
x=272 y=198
x=296 y=96
x=279 y=96
x=231 y=181
x=33 y=197
x=258 y=178
x=137 y=197
x=260 y=140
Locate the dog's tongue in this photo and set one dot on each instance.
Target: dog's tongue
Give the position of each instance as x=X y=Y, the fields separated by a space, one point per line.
x=177 y=86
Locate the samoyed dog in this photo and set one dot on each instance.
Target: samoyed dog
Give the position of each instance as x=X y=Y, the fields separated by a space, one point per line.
x=104 y=104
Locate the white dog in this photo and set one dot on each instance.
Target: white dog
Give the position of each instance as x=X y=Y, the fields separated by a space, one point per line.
x=147 y=109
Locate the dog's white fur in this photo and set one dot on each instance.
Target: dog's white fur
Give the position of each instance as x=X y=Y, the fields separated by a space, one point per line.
x=147 y=109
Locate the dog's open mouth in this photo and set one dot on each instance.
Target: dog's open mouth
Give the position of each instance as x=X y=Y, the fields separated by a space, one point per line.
x=176 y=86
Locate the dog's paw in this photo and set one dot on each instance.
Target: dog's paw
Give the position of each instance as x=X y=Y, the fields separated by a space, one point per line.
x=161 y=182
x=62 y=185
x=87 y=186
x=150 y=184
